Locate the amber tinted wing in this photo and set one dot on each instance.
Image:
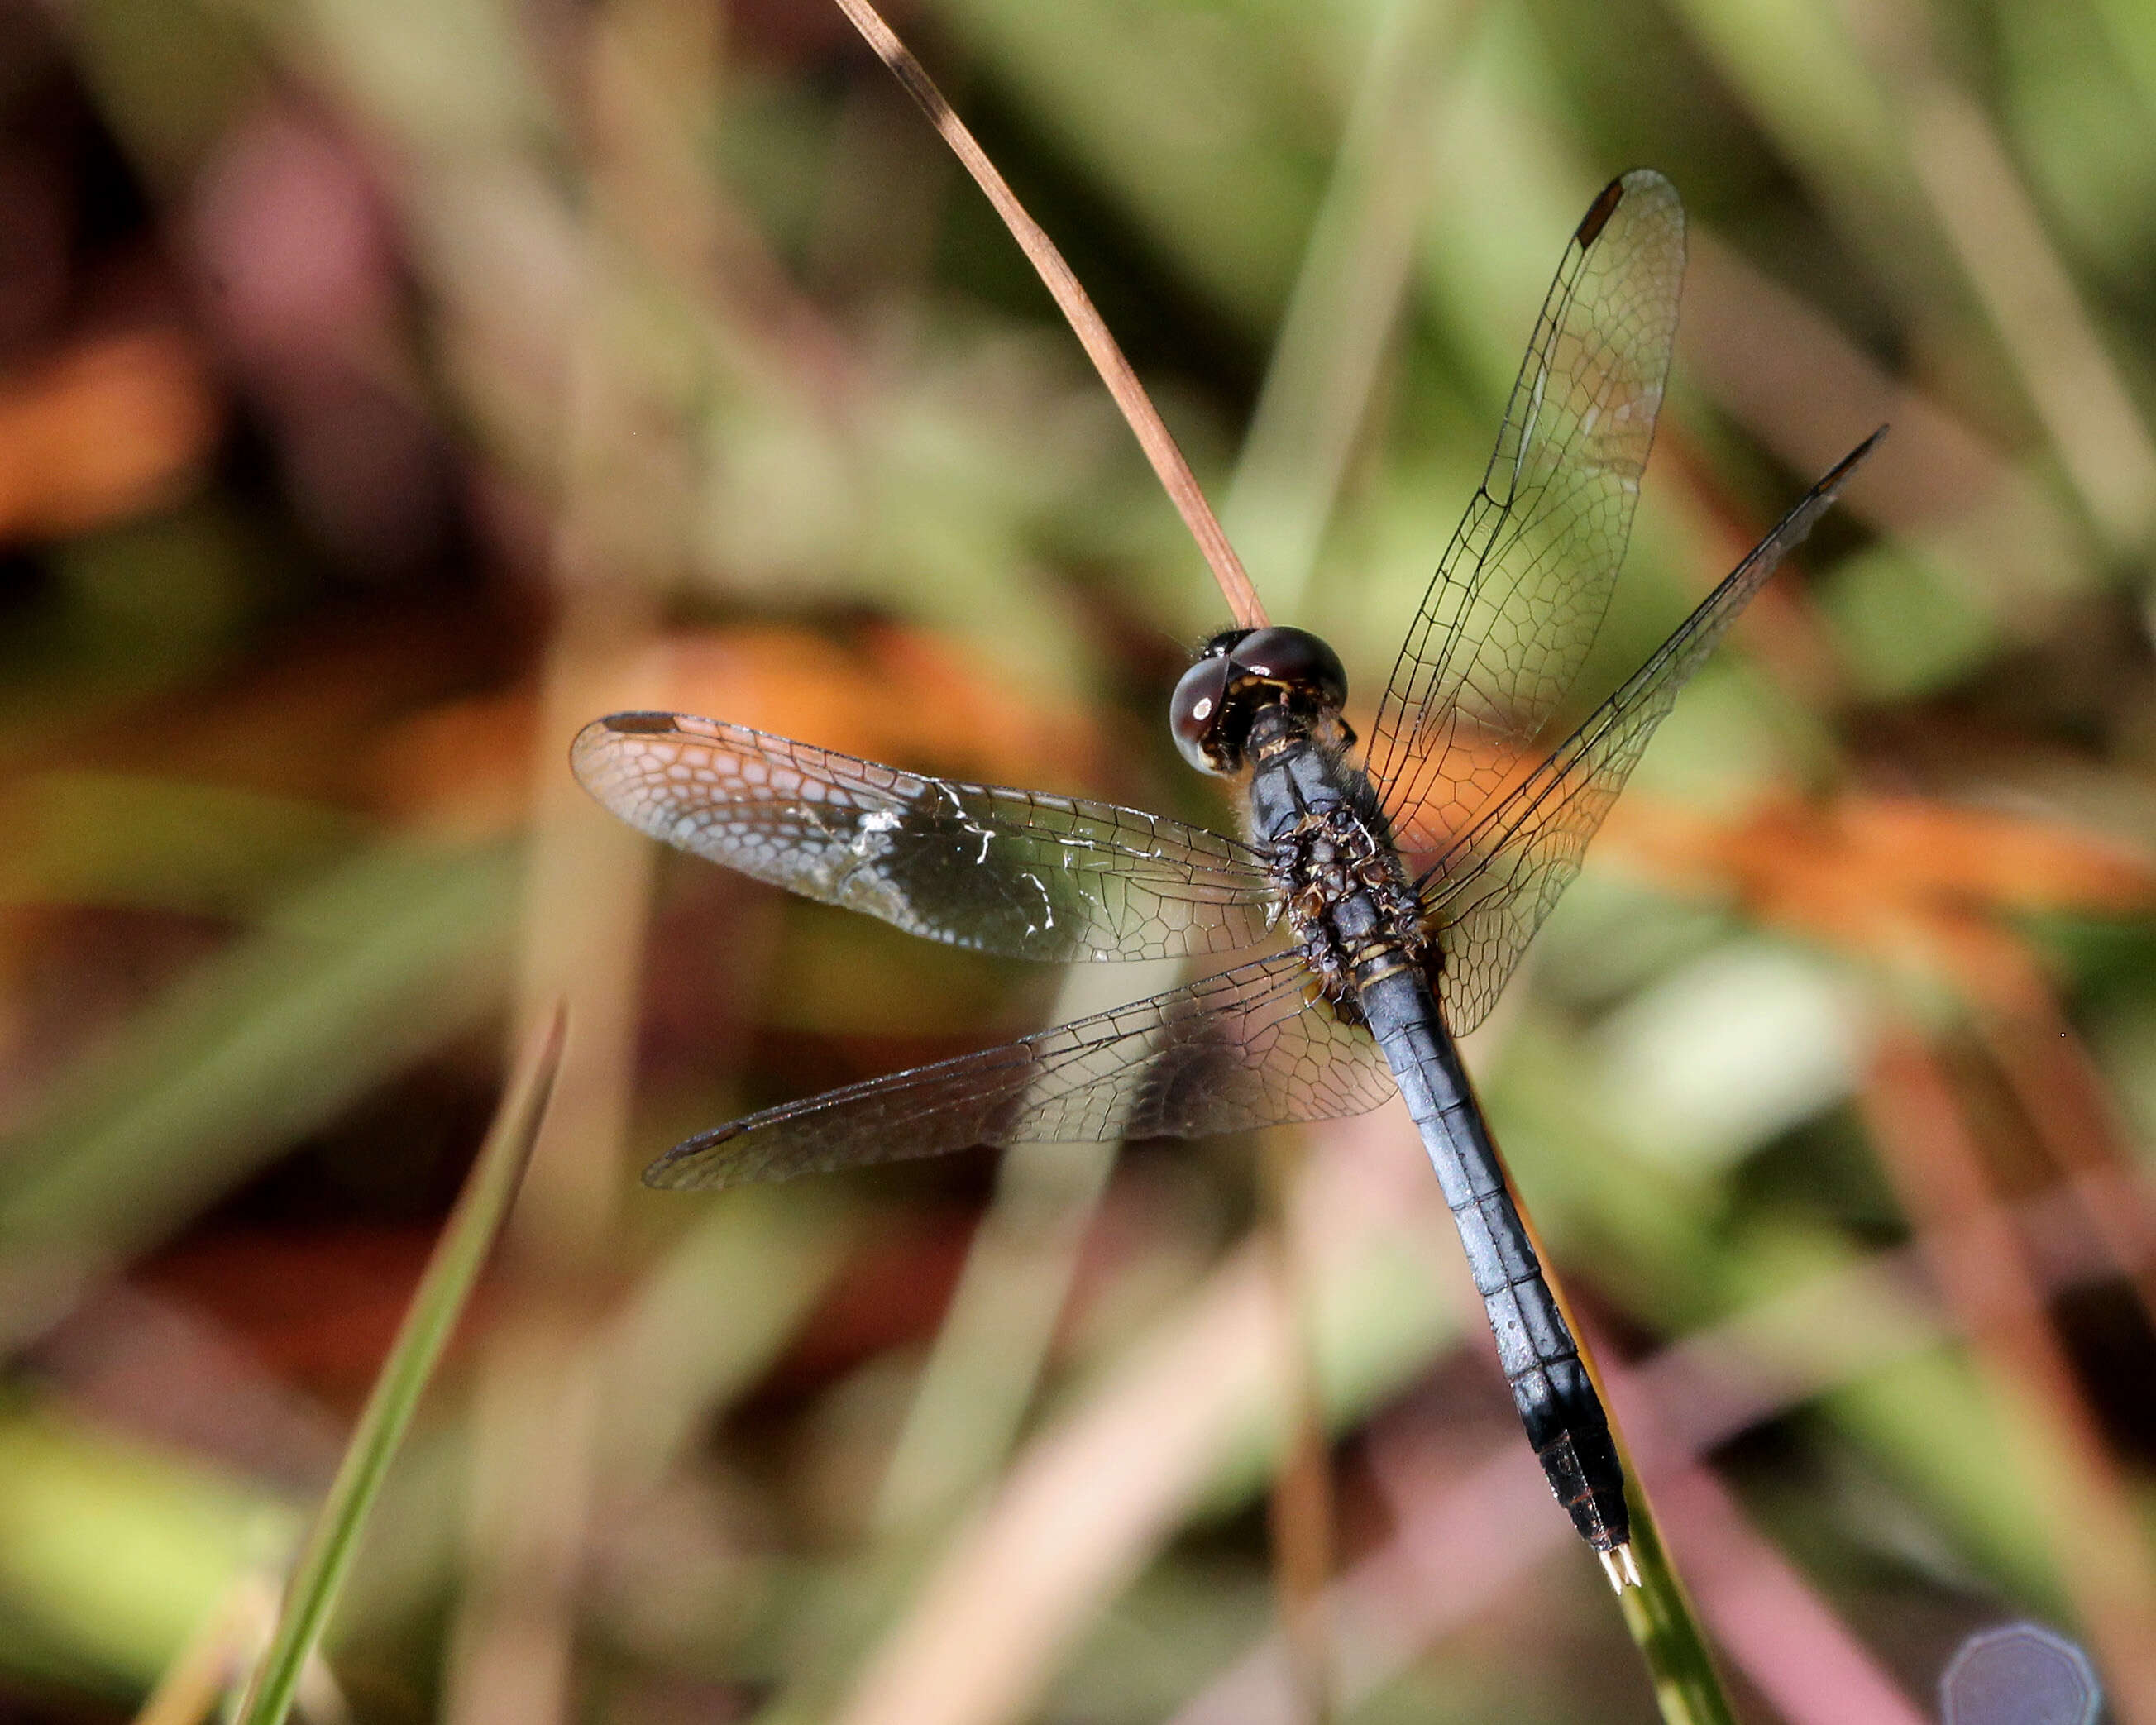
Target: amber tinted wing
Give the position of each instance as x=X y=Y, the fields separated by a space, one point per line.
x=1018 y=873
x=1241 y=1050
x=1488 y=894
x=1520 y=591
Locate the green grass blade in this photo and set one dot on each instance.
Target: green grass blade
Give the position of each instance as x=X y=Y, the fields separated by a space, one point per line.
x=1687 y=1688
x=1658 y=1612
x=451 y=1271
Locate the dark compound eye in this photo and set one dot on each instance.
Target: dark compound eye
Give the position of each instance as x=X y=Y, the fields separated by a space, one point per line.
x=1237 y=674
x=1194 y=712
x=1296 y=660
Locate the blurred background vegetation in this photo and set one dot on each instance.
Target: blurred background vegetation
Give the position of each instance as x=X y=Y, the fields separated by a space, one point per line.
x=387 y=388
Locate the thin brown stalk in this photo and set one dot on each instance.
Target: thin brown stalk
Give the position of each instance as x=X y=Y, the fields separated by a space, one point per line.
x=1086 y=323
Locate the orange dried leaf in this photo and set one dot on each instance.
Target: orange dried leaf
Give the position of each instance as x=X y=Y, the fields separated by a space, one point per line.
x=1859 y=862
x=902 y=696
x=2006 y=862
x=106 y=429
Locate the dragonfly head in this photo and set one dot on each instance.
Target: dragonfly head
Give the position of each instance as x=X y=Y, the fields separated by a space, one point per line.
x=1239 y=674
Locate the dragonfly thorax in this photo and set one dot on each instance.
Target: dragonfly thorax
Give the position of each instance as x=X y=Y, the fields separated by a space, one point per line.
x=1240 y=674
x=1349 y=907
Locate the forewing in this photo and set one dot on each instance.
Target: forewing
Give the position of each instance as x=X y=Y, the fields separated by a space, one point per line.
x=1520 y=591
x=1019 y=873
x=1489 y=894
x=1243 y=1049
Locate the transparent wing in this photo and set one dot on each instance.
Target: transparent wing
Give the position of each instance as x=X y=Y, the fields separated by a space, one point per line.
x=1521 y=589
x=1018 y=873
x=1488 y=894
x=1243 y=1049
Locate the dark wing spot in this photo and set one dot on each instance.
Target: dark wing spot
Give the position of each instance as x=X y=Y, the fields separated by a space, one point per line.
x=1598 y=214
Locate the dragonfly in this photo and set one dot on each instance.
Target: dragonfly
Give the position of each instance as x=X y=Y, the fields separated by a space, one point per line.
x=1370 y=912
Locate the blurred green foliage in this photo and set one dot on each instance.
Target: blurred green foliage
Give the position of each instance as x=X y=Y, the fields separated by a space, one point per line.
x=504 y=367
